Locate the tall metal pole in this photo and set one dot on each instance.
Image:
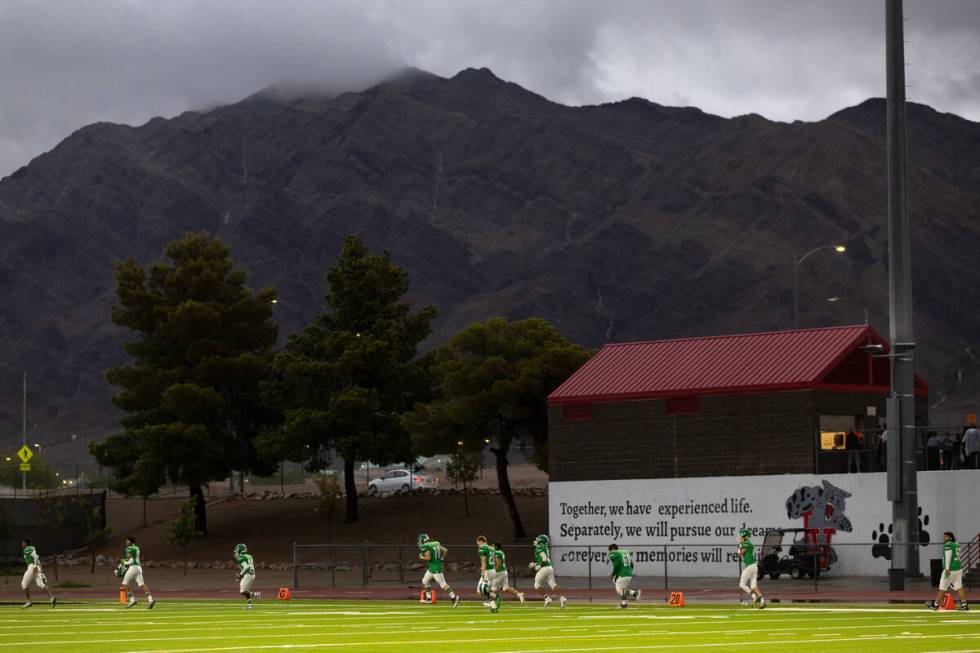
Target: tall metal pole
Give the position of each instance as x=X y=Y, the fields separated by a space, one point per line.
x=23 y=432
x=902 y=481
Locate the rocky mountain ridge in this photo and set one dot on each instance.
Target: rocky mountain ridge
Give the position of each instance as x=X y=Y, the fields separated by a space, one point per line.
x=617 y=222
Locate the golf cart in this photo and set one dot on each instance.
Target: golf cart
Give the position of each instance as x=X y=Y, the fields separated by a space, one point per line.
x=806 y=557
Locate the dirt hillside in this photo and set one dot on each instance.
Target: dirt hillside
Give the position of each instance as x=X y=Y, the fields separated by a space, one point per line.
x=270 y=525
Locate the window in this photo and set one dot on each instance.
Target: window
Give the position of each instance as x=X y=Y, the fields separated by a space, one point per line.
x=833 y=429
x=831 y=440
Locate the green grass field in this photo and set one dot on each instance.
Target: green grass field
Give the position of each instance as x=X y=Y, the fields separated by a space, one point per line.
x=186 y=626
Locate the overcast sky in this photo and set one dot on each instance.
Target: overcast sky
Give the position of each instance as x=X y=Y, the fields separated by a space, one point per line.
x=67 y=63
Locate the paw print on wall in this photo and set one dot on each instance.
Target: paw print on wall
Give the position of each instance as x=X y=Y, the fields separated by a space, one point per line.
x=882 y=547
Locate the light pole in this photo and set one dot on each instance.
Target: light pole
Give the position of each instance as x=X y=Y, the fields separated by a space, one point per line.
x=834 y=300
x=23 y=432
x=797 y=261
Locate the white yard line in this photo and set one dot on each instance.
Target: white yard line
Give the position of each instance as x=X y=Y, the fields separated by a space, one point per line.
x=605 y=634
x=686 y=646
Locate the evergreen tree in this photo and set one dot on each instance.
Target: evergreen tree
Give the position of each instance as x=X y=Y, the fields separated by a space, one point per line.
x=191 y=395
x=344 y=382
x=494 y=379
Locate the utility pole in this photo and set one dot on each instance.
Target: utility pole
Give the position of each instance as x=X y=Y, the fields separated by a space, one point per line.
x=902 y=480
x=23 y=432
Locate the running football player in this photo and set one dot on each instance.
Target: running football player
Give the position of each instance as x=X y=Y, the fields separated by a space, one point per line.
x=34 y=573
x=485 y=553
x=434 y=553
x=246 y=574
x=501 y=578
x=132 y=572
x=622 y=574
x=545 y=572
x=749 y=581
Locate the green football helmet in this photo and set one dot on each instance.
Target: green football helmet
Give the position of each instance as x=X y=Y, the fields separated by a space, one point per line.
x=745 y=533
x=542 y=540
x=423 y=538
x=240 y=549
x=483 y=588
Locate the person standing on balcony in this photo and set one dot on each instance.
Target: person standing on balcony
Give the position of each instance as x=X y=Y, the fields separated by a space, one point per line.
x=971 y=447
x=934 y=447
x=951 y=452
x=852 y=444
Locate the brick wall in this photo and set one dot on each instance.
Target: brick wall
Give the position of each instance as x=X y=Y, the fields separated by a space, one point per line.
x=731 y=435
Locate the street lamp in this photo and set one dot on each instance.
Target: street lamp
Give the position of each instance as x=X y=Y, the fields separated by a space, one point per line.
x=834 y=300
x=797 y=261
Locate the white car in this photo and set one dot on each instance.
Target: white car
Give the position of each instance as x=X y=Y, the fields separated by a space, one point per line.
x=397 y=480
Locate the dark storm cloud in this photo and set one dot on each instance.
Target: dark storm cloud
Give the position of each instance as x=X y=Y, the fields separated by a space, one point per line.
x=66 y=64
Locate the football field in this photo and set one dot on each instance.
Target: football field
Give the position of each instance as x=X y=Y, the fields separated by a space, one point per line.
x=391 y=626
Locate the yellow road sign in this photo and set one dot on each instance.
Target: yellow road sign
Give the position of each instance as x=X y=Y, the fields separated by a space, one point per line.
x=25 y=467
x=25 y=454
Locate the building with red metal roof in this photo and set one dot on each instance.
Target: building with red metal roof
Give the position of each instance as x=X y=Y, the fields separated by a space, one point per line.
x=756 y=403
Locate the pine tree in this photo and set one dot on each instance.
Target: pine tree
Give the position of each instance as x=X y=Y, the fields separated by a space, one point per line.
x=191 y=396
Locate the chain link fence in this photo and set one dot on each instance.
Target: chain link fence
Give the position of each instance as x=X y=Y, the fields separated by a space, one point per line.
x=657 y=567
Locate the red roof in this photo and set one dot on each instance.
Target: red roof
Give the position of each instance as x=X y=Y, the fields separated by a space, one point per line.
x=827 y=358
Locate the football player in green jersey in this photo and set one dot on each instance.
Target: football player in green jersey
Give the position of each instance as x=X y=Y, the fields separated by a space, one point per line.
x=952 y=577
x=33 y=573
x=501 y=577
x=750 y=568
x=434 y=553
x=245 y=574
x=622 y=574
x=132 y=572
x=485 y=553
x=545 y=572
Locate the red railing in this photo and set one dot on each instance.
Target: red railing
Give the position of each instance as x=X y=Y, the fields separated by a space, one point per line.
x=970 y=557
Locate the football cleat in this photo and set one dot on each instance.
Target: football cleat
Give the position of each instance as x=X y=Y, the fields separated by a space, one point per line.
x=456 y=600
x=932 y=605
x=130 y=603
x=562 y=601
x=150 y=604
x=27 y=604
x=637 y=597
x=547 y=601
x=53 y=601
x=762 y=602
x=520 y=597
x=964 y=606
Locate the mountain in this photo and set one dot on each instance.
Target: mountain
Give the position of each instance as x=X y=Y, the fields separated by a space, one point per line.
x=617 y=222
